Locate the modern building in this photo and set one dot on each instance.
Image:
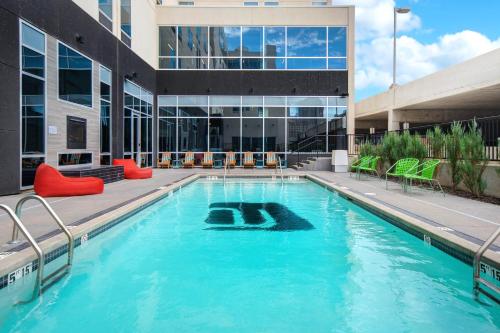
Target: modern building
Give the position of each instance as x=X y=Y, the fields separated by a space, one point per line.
x=461 y=92
x=86 y=81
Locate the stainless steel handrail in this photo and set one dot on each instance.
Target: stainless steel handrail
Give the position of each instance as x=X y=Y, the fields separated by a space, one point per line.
x=44 y=203
x=34 y=245
x=281 y=169
x=476 y=264
x=225 y=169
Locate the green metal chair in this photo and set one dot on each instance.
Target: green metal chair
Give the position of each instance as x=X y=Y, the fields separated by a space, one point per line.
x=370 y=167
x=401 y=168
x=363 y=161
x=426 y=172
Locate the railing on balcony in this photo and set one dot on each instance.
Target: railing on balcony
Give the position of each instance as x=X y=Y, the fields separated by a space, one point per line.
x=489 y=126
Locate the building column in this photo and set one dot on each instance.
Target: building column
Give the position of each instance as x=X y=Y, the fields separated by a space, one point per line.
x=393 y=120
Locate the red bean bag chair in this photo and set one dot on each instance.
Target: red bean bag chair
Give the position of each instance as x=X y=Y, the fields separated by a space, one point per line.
x=51 y=183
x=132 y=171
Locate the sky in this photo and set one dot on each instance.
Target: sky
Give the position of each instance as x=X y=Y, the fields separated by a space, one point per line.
x=434 y=35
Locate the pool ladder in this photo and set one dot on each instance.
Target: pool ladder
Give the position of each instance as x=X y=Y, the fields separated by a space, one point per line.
x=281 y=169
x=476 y=264
x=42 y=282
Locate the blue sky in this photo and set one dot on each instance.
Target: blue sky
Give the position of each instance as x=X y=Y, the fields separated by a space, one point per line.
x=437 y=34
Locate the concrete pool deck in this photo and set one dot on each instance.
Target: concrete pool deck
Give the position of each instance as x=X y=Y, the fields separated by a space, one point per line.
x=466 y=219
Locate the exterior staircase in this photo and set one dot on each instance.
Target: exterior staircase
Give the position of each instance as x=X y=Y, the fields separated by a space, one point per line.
x=313 y=164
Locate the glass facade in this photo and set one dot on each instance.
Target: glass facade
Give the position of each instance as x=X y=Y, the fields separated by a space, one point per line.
x=253 y=48
x=75 y=77
x=33 y=74
x=105 y=101
x=250 y=123
x=138 y=124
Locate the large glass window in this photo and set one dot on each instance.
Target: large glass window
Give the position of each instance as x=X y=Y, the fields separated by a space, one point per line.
x=105 y=100
x=253 y=48
x=75 y=77
x=138 y=124
x=126 y=21
x=32 y=102
x=283 y=124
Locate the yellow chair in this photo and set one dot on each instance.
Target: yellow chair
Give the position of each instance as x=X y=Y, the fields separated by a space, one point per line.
x=231 y=159
x=208 y=160
x=248 y=160
x=165 y=161
x=271 y=161
x=188 y=161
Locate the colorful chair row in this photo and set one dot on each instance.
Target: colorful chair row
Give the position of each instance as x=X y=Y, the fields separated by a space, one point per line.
x=165 y=161
x=407 y=170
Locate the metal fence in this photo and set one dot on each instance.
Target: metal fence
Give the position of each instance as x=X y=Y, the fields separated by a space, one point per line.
x=489 y=126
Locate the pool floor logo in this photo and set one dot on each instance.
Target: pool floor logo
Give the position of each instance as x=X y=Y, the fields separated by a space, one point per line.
x=268 y=216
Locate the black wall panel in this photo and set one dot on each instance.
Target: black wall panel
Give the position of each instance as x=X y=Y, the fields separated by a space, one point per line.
x=231 y=82
x=9 y=104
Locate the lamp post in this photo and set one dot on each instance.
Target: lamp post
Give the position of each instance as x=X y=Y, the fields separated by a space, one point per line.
x=396 y=12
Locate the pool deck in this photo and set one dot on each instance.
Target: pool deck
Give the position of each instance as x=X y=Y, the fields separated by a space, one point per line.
x=466 y=219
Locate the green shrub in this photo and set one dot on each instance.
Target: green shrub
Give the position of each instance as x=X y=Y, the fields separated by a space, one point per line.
x=414 y=147
x=366 y=149
x=474 y=160
x=436 y=139
x=391 y=147
x=453 y=152
x=396 y=146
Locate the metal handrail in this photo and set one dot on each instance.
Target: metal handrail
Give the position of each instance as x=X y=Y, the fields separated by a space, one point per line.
x=225 y=168
x=34 y=245
x=44 y=203
x=281 y=169
x=477 y=280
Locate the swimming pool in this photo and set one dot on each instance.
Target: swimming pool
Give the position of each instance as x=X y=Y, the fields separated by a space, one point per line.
x=255 y=256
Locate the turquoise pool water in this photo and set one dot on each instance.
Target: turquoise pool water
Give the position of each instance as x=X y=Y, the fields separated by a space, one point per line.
x=255 y=256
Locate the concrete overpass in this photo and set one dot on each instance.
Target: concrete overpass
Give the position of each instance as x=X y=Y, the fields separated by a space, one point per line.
x=463 y=91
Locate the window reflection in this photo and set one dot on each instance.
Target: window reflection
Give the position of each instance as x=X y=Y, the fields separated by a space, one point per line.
x=196 y=42
x=274 y=41
x=253 y=48
x=306 y=63
x=252 y=42
x=225 y=41
x=337 y=41
x=306 y=42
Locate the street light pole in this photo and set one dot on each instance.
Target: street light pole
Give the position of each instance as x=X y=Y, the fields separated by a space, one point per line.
x=396 y=12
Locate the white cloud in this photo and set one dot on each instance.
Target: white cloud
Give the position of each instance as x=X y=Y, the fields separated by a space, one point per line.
x=374 y=28
x=415 y=59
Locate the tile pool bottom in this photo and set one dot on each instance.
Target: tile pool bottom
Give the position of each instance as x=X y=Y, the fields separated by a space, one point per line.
x=255 y=256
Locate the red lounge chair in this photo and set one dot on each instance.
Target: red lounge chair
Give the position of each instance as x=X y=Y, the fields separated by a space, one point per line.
x=50 y=183
x=132 y=171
